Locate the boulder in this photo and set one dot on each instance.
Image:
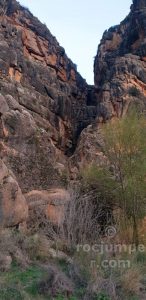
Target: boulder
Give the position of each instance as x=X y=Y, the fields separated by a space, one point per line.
x=52 y=202
x=13 y=206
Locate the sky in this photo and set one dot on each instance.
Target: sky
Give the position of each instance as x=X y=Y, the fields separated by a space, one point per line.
x=78 y=25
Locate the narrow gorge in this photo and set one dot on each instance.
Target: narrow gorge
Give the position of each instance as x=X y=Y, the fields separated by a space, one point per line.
x=50 y=118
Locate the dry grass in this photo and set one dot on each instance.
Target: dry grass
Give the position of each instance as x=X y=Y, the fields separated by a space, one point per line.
x=131 y=281
x=79 y=225
x=37 y=247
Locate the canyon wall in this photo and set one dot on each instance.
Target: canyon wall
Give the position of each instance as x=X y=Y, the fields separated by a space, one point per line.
x=44 y=103
x=50 y=118
x=120 y=80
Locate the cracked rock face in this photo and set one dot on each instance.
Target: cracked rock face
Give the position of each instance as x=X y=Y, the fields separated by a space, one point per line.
x=120 y=64
x=44 y=106
x=120 y=81
x=36 y=71
x=44 y=102
x=50 y=119
x=139 y=4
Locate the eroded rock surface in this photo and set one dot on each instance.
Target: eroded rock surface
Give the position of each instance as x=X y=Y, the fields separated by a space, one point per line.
x=120 y=81
x=13 y=205
x=44 y=103
x=120 y=64
x=50 y=119
x=51 y=203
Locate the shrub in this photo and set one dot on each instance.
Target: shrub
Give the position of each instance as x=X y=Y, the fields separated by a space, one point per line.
x=134 y=92
x=80 y=222
x=131 y=281
x=102 y=296
x=125 y=148
x=10 y=293
x=56 y=283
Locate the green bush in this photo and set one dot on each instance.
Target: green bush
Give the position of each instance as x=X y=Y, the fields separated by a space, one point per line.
x=133 y=91
x=10 y=293
x=102 y=296
x=140 y=258
x=60 y=297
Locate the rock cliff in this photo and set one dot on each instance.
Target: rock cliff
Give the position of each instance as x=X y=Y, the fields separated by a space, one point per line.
x=120 y=64
x=50 y=118
x=120 y=79
x=44 y=103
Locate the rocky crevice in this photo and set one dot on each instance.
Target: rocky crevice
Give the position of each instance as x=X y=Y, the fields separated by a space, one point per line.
x=120 y=82
x=50 y=118
x=32 y=59
x=47 y=102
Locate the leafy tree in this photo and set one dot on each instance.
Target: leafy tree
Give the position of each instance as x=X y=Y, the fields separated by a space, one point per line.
x=125 y=148
x=121 y=182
